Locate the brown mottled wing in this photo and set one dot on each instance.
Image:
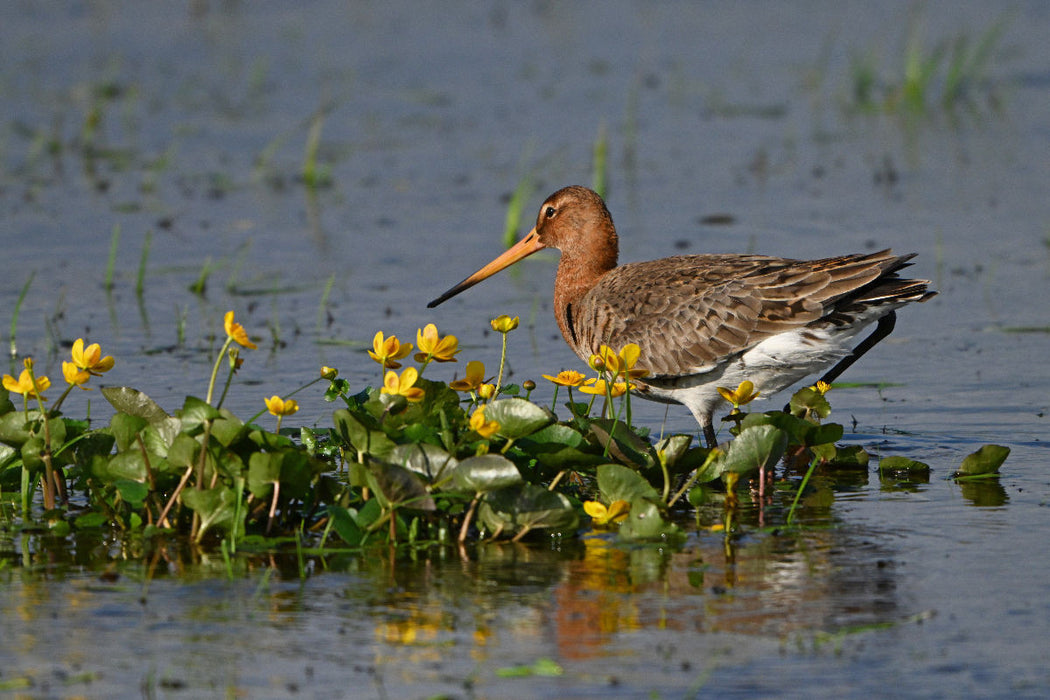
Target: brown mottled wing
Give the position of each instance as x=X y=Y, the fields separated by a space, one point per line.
x=687 y=313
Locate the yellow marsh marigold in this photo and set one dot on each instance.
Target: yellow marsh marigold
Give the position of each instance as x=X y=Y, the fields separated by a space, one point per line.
x=487 y=391
x=598 y=386
x=475 y=377
x=484 y=428
x=568 y=377
x=281 y=407
x=433 y=347
x=600 y=515
x=329 y=373
x=90 y=358
x=75 y=376
x=744 y=394
x=403 y=385
x=387 y=351
x=504 y=323
x=236 y=331
x=822 y=387
x=25 y=384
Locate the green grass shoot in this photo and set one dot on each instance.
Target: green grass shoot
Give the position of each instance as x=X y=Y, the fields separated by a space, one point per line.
x=322 y=308
x=140 y=280
x=313 y=176
x=111 y=265
x=601 y=149
x=14 y=313
x=512 y=223
x=201 y=284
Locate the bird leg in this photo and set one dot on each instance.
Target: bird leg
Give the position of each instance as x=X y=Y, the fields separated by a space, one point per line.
x=882 y=329
x=709 y=435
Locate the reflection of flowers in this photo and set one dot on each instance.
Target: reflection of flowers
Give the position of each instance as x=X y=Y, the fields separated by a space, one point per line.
x=403 y=385
x=616 y=512
x=387 y=351
x=236 y=331
x=744 y=394
x=433 y=347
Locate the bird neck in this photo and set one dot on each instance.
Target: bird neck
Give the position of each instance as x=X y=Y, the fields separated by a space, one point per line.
x=578 y=273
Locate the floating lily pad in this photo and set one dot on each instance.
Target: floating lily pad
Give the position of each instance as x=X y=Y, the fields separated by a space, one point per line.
x=983 y=463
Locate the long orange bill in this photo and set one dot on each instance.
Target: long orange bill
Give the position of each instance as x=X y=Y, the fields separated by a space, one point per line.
x=522 y=249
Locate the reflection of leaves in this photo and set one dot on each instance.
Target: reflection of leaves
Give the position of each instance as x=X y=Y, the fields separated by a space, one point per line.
x=519 y=509
x=983 y=463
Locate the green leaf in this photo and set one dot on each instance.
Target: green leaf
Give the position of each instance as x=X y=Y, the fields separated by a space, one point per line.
x=429 y=461
x=619 y=483
x=264 y=470
x=125 y=427
x=134 y=403
x=985 y=462
x=217 y=507
x=184 y=451
x=850 y=457
x=123 y=466
x=32 y=451
x=227 y=428
x=674 y=447
x=133 y=492
x=808 y=402
x=486 y=473
x=518 y=417
x=13 y=427
x=344 y=523
x=400 y=487
x=897 y=463
x=757 y=447
x=623 y=444
x=159 y=435
x=90 y=520
x=645 y=522
x=527 y=507
x=196 y=411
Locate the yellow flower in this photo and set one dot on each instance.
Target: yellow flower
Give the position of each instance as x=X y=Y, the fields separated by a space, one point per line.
x=329 y=373
x=281 y=407
x=487 y=391
x=236 y=331
x=75 y=376
x=482 y=427
x=90 y=359
x=568 y=377
x=744 y=394
x=629 y=355
x=822 y=387
x=475 y=377
x=600 y=515
x=605 y=360
x=504 y=323
x=433 y=347
x=388 y=351
x=403 y=385
x=25 y=385
x=598 y=386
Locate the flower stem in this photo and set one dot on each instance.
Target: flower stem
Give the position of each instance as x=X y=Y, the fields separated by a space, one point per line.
x=215 y=369
x=502 y=360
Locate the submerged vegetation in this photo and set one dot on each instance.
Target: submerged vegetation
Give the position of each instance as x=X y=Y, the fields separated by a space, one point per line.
x=416 y=460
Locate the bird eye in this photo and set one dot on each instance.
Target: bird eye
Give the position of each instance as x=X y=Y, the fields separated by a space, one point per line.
x=551 y=211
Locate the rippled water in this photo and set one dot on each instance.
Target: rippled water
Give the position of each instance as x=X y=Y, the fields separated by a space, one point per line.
x=189 y=121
